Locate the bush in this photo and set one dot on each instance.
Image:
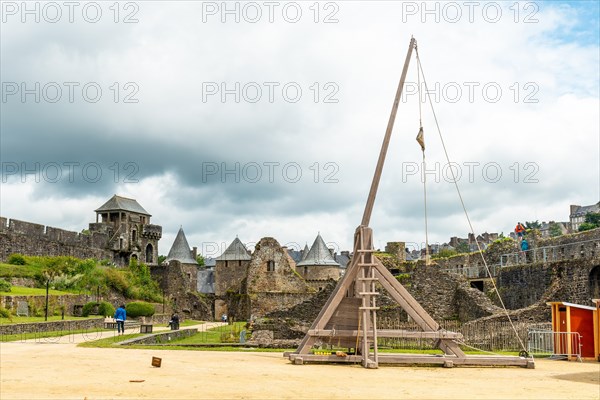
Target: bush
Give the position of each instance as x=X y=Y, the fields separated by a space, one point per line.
x=16 y=259
x=4 y=285
x=139 y=309
x=116 y=279
x=106 y=309
x=89 y=308
x=4 y=313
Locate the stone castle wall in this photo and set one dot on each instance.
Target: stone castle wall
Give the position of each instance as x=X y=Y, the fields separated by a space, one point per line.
x=276 y=289
x=264 y=303
x=319 y=272
x=574 y=246
x=576 y=281
x=179 y=282
x=36 y=304
x=38 y=240
x=51 y=326
x=229 y=275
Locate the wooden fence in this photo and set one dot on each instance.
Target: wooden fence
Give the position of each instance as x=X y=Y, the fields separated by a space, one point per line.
x=484 y=335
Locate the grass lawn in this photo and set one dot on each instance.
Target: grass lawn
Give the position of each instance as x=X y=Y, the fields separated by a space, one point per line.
x=27 y=291
x=221 y=335
x=190 y=322
x=214 y=335
x=19 y=271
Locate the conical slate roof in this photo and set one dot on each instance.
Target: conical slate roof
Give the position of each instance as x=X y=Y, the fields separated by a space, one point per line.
x=119 y=203
x=305 y=252
x=236 y=251
x=318 y=255
x=180 y=250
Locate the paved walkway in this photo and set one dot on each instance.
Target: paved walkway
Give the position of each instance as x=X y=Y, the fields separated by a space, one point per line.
x=75 y=338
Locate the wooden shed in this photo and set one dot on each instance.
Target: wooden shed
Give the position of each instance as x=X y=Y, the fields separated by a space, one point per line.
x=576 y=330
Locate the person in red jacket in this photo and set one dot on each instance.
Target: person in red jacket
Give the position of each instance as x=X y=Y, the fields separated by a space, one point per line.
x=520 y=230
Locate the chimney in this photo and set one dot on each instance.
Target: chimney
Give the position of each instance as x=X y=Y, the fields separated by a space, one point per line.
x=194 y=252
x=574 y=208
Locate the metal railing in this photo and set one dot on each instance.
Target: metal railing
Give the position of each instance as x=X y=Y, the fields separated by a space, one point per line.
x=554 y=344
x=568 y=251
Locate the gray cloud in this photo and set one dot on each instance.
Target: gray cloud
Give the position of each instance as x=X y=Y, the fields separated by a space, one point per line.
x=176 y=135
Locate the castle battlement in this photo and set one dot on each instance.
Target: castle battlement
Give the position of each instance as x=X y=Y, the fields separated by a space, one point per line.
x=123 y=233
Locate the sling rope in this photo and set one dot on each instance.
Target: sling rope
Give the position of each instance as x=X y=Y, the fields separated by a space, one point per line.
x=464 y=207
x=421 y=140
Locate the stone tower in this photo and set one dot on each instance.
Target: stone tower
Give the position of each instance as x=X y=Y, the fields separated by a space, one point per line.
x=272 y=282
x=319 y=265
x=230 y=271
x=180 y=250
x=130 y=234
x=179 y=271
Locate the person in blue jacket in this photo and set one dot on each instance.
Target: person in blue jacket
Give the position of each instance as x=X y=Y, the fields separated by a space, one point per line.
x=524 y=248
x=120 y=317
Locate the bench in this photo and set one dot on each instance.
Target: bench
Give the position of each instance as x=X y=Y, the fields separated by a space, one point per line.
x=144 y=328
x=110 y=325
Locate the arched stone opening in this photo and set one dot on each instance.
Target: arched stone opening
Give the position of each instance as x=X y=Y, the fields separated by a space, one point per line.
x=149 y=253
x=594 y=282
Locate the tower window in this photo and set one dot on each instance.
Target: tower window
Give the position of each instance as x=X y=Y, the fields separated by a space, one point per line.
x=270 y=266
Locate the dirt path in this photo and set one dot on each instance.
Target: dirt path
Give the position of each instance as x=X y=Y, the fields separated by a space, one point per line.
x=61 y=370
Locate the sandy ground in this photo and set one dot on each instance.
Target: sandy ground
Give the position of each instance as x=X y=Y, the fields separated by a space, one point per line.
x=58 y=369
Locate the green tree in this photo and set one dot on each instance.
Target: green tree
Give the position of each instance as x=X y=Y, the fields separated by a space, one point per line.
x=161 y=259
x=593 y=218
x=462 y=247
x=586 y=226
x=444 y=253
x=532 y=225
x=554 y=229
x=592 y=221
x=200 y=260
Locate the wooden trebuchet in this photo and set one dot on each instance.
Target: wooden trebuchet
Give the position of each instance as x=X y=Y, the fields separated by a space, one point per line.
x=349 y=317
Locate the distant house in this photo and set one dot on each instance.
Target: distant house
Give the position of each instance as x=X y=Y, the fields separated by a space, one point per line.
x=577 y=214
x=545 y=229
x=343 y=259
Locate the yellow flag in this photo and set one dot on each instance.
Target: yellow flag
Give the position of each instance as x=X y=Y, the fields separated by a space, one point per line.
x=421 y=139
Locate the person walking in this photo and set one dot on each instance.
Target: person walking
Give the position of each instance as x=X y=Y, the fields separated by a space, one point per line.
x=120 y=317
x=174 y=322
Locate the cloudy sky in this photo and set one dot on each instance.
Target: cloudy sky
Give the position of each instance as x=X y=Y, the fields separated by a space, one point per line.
x=266 y=118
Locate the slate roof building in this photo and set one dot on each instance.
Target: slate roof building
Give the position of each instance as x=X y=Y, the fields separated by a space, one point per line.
x=127 y=225
x=231 y=269
x=319 y=265
x=577 y=214
x=117 y=204
x=206 y=276
x=180 y=268
x=180 y=250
